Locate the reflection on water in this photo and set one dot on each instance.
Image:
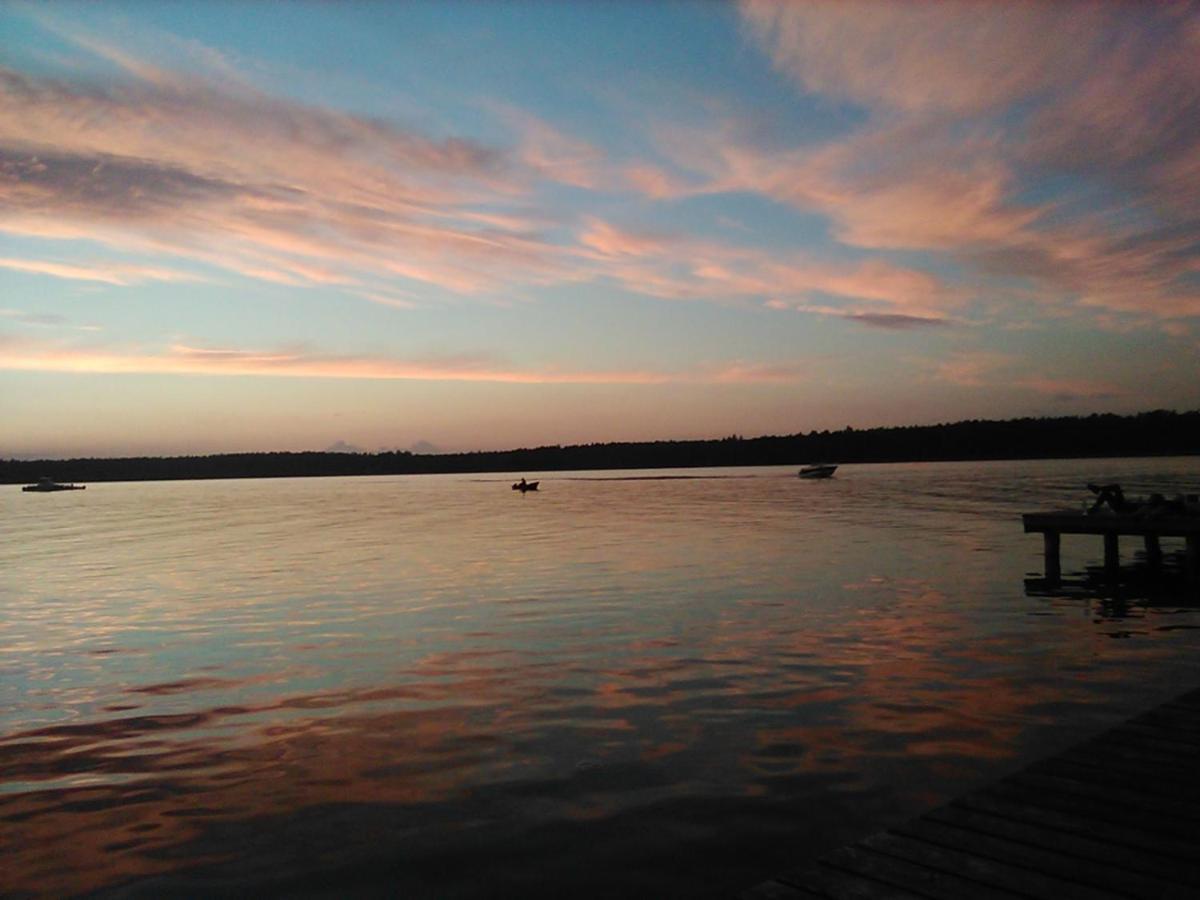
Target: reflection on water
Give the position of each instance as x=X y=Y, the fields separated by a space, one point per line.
x=436 y=687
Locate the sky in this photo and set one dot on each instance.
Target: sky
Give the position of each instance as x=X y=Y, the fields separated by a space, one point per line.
x=237 y=226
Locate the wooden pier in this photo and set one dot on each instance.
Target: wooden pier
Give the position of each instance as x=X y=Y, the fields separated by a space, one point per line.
x=1053 y=525
x=1116 y=816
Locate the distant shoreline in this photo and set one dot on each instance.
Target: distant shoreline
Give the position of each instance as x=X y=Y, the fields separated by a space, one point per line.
x=1148 y=434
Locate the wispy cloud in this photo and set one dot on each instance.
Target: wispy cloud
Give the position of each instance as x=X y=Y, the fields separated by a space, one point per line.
x=756 y=373
x=990 y=369
x=1055 y=143
x=1072 y=389
x=894 y=321
x=317 y=197
x=972 y=368
x=554 y=155
x=963 y=57
x=680 y=267
x=28 y=318
x=23 y=354
x=312 y=195
x=107 y=273
x=1050 y=147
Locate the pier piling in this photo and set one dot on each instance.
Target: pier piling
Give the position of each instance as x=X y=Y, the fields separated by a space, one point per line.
x=1053 y=525
x=1112 y=556
x=1052 y=542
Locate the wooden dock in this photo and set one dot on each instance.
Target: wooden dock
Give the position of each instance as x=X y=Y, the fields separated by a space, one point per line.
x=1053 y=525
x=1116 y=816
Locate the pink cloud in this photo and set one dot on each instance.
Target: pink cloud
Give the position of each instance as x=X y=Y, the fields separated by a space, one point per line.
x=683 y=268
x=942 y=166
x=972 y=368
x=554 y=155
x=655 y=182
x=971 y=107
x=1072 y=389
x=958 y=57
x=759 y=373
x=298 y=362
x=107 y=273
x=609 y=241
x=1134 y=117
x=390 y=299
x=312 y=196
x=894 y=185
x=985 y=368
x=927 y=206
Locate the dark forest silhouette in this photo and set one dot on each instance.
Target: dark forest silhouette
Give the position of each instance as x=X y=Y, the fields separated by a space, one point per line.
x=1157 y=433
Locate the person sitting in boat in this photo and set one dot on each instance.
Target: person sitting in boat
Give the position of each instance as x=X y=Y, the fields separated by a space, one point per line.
x=1112 y=496
x=522 y=483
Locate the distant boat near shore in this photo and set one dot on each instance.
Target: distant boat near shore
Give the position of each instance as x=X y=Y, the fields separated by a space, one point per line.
x=46 y=486
x=524 y=485
x=817 y=470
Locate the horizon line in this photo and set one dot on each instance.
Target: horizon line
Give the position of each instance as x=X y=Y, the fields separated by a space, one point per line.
x=619 y=443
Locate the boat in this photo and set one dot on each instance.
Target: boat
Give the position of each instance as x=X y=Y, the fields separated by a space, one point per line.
x=45 y=486
x=524 y=486
x=817 y=470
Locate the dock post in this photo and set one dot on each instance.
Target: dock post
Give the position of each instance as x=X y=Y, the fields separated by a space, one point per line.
x=1112 y=556
x=1051 y=543
x=1153 y=554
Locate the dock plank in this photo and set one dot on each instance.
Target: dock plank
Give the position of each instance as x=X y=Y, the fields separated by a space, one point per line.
x=777 y=890
x=834 y=883
x=1189 y=741
x=1097 y=874
x=1168 y=782
x=1168 y=850
x=1094 y=810
x=1139 y=748
x=1161 y=747
x=1135 y=525
x=979 y=870
x=895 y=871
x=1073 y=848
x=1168 y=773
x=1121 y=786
x=1117 y=815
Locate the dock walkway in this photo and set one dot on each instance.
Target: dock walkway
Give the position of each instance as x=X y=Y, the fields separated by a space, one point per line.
x=1116 y=816
x=1053 y=525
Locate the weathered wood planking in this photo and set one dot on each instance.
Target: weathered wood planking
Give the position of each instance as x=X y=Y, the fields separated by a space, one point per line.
x=1115 y=816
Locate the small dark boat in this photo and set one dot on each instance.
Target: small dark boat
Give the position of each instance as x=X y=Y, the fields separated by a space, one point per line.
x=820 y=470
x=46 y=486
x=524 y=486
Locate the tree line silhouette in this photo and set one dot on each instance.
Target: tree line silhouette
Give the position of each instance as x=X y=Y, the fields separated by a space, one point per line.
x=1160 y=432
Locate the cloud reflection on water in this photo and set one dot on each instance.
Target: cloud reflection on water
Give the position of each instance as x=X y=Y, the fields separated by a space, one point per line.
x=418 y=683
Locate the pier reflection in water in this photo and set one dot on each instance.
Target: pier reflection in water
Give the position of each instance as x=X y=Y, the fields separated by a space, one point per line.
x=437 y=687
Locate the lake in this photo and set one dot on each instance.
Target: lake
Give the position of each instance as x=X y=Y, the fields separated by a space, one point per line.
x=626 y=684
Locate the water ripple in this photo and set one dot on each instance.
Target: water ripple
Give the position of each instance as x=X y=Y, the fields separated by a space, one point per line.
x=623 y=685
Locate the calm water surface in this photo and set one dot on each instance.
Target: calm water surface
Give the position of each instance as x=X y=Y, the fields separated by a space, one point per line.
x=617 y=686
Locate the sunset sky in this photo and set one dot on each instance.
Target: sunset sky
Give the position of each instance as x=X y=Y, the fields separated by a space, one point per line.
x=254 y=226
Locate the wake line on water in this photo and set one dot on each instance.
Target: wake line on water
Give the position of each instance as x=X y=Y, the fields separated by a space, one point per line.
x=641 y=478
